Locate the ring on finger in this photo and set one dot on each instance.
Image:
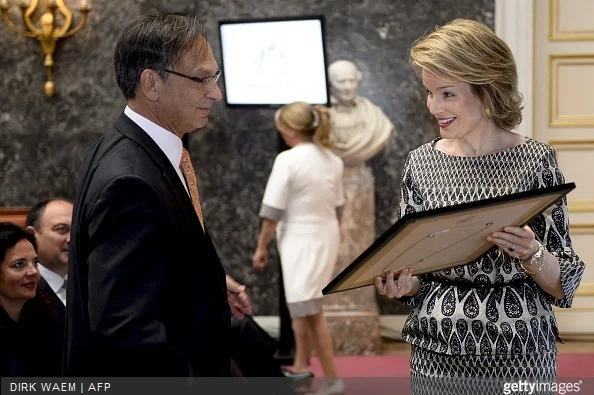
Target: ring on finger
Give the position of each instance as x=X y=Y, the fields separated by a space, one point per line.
x=512 y=247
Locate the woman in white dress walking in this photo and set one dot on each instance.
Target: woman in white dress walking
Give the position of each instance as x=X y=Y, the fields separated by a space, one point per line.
x=303 y=203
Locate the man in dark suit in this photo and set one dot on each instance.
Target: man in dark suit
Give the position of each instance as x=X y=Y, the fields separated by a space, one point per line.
x=49 y=221
x=147 y=295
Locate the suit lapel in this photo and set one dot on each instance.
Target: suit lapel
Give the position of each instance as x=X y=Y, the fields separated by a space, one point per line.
x=55 y=300
x=134 y=132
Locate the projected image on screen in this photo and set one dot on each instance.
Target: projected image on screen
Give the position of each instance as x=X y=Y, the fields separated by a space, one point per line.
x=274 y=62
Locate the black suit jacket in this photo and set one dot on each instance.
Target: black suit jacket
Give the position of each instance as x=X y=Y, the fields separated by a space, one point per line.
x=33 y=346
x=146 y=290
x=56 y=305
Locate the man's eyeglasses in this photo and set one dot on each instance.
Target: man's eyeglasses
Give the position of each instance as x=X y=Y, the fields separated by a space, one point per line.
x=204 y=82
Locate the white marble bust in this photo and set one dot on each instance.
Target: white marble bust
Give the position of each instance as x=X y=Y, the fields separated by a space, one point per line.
x=359 y=129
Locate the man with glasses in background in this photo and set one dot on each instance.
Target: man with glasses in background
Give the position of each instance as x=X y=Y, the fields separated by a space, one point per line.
x=147 y=295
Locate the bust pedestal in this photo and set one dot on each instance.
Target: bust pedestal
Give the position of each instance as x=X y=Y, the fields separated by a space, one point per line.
x=353 y=316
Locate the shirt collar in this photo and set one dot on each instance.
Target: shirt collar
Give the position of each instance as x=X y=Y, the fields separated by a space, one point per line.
x=170 y=144
x=54 y=280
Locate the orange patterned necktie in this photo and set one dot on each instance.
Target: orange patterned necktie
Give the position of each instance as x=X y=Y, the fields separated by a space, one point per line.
x=188 y=171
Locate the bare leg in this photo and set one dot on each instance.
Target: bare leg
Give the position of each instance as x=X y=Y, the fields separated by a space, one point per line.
x=302 y=344
x=322 y=341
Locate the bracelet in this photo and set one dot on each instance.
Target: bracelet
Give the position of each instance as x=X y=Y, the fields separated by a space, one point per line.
x=538 y=255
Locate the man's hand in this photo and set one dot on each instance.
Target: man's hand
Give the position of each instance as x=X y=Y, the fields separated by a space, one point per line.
x=238 y=299
x=260 y=259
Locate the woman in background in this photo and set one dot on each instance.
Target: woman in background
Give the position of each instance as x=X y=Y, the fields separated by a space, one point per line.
x=492 y=319
x=303 y=202
x=31 y=343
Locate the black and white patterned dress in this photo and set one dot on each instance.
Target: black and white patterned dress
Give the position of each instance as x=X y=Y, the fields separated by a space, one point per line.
x=486 y=319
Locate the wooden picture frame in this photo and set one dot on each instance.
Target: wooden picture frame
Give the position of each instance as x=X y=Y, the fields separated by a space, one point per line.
x=447 y=237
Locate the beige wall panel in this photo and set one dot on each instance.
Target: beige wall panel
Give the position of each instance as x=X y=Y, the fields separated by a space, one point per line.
x=571 y=20
x=543 y=49
x=577 y=218
x=564 y=117
x=572 y=78
x=583 y=210
x=573 y=83
x=572 y=321
x=575 y=162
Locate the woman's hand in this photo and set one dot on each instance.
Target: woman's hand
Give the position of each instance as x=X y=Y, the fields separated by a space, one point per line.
x=515 y=241
x=396 y=288
x=260 y=259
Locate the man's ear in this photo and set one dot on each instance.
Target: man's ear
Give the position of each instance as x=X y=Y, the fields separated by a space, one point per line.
x=30 y=229
x=150 y=84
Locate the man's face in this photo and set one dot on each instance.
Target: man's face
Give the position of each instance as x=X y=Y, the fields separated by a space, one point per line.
x=183 y=105
x=345 y=83
x=53 y=235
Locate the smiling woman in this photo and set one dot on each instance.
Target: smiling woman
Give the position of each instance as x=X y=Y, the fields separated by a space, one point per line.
x=491 y=318
x=30 y=340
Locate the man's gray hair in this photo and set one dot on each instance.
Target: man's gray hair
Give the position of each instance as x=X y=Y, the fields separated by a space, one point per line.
x=155 y=42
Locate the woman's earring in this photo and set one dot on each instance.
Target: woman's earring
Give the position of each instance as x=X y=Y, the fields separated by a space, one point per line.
x=487 y=112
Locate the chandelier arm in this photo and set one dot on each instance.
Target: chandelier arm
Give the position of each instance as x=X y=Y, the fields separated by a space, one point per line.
x=15 y=28
x=62 y=32
x=27 y=17
x=82 y=23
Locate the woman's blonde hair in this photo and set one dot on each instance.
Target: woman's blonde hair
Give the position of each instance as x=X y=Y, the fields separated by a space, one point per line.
x=469 y=51
x=306 y=119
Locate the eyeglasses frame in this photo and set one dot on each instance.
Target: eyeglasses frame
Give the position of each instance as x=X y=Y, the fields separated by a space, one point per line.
x=200 y=81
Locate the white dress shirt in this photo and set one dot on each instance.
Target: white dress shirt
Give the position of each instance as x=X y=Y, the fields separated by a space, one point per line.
x=168 y=142
x=55 y=282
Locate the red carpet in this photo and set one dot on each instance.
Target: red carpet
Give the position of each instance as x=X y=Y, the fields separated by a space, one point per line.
x=568 y=365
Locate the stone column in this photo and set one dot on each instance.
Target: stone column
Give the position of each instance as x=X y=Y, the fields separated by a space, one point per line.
x=353 y=316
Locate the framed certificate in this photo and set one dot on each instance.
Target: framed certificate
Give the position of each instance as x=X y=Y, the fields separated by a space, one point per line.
x=446 y=237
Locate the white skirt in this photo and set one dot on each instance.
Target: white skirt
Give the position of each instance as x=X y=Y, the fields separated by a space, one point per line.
x=305 y=309
x=308 y=256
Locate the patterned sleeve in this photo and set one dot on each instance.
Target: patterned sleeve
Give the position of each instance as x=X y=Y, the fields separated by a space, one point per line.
x=410 y=198
x=411 y=202
x=552 y=230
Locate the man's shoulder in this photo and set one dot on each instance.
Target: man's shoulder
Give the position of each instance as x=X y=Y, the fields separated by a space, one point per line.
x=117 y=154
x=117 y=157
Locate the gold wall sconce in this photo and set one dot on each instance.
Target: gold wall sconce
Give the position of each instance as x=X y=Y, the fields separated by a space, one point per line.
x=46 y=32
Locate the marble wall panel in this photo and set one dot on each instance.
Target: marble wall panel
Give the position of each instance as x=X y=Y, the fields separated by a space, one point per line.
x=44 y=142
